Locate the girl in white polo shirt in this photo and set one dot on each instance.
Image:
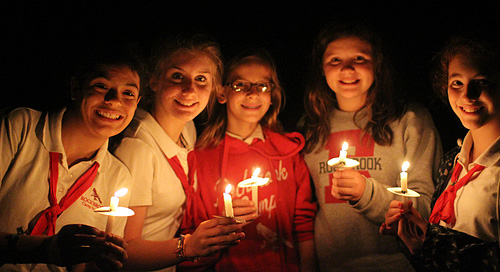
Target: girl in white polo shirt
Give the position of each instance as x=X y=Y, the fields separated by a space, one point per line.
x=186 y=70
x=463 y=230
x=55 y=169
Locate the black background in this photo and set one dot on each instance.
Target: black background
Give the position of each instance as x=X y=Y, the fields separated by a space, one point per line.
x=37 y=38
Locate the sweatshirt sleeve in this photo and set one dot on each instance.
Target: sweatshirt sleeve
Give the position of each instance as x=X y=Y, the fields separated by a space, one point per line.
x=305 y=206
x=422 y=148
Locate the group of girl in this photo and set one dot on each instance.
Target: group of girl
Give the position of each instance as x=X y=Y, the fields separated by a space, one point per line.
x=309 y=216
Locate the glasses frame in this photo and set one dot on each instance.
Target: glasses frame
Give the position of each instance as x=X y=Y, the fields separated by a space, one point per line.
x=259 y=89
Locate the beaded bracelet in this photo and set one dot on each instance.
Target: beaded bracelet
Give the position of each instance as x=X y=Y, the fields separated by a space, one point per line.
x=179 y=251
x=180 y=247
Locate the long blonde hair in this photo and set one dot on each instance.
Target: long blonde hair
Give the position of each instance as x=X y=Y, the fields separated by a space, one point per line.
x=216 y=125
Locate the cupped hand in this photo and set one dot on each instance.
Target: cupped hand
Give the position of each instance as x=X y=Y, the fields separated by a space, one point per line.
x=412 y=229
x=213 y=235
x=245 y=209
x=348 y=184
x=77 y=243
x=392 y=217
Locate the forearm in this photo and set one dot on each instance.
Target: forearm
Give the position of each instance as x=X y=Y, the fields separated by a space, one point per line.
x=152 y=255
x=308 y=259
x=23 y=249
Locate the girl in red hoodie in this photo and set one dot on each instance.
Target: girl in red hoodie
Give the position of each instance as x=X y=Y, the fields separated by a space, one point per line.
x=241 y=135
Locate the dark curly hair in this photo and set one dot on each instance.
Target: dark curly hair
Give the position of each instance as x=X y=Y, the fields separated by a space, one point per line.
x=480 y=48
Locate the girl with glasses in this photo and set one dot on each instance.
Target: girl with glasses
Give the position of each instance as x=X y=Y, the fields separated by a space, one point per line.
x=243 y=134
x=351 y=98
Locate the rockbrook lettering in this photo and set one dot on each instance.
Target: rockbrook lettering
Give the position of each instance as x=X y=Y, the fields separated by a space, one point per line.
x=365 y=163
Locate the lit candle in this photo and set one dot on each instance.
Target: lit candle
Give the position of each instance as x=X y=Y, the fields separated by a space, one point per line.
x=228 y=202
x=113 y=206
x=113 y=203
x=404 y=177
x=255 y=190
x=343 y=153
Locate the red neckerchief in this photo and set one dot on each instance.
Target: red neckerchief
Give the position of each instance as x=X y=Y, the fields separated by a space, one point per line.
x=179 y=171
x=444 y=207
x=188 y=188
x=48 y=217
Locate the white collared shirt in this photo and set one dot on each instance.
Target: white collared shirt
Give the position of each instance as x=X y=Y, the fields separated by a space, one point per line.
x=26 y=138
x=144 y=149
x=476 y=202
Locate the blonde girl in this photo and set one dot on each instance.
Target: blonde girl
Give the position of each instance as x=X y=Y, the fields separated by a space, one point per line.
x=186 y=73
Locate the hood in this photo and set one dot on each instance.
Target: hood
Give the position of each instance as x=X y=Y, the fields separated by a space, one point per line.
x=275 y=147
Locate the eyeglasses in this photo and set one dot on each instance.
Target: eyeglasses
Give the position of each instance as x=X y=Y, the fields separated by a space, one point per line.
x=245 y=86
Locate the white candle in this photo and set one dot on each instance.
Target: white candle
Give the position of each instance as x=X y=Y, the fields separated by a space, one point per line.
x=255 y=189
x=228 y=202
x=113 y=205
x=404 y=177
x=343 y=152
x=110 y=223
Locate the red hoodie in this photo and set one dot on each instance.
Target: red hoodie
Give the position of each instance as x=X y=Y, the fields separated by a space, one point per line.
x=286 y=206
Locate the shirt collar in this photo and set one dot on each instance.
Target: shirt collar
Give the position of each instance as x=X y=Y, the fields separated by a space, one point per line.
x=166 y=144
x=51 y=131
x=488 y=158
x=52 y=139
x=256 y=134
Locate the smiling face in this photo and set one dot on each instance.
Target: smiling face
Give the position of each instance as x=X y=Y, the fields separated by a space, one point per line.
x=183 y=89
x=246 y=109
x=109 y=100
x=473 y=95
x=348 y=70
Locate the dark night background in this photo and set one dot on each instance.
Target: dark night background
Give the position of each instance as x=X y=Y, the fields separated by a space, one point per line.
x=37 y=38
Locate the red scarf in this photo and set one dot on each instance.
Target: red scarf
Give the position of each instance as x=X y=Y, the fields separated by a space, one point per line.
x=444 y=209
x=191 y=196
x=48 y=217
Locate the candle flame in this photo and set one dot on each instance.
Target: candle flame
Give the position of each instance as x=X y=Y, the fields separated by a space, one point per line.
x=406 y=164
x=121 y=192
x=345 y=146
x=228 y=188
x=256 y=172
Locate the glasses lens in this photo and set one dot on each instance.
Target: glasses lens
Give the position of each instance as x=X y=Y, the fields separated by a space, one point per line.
x=241 y=86
x=245 y=86
x=264 y=87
